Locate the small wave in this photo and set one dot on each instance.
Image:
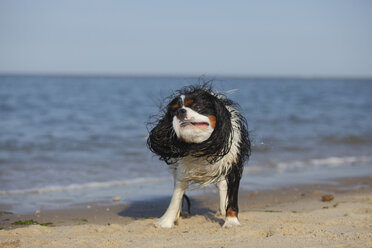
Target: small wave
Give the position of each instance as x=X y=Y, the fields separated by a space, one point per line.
x=6 y=108
x=349 y=140
x=74 y=187
x=297 y=119
x=253 y=169
x=330 y=162
x=261 y=149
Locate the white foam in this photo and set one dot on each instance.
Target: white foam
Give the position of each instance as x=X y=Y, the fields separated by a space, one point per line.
x=316 y=162
x=330 y=162
x=74 y=187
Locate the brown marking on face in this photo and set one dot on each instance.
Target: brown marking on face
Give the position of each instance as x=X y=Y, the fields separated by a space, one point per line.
x=231 y=213
x=212 y=120
x=189 y=102
x=175 y=106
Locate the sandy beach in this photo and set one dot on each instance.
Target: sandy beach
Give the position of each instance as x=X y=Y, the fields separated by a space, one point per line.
x=294 y=216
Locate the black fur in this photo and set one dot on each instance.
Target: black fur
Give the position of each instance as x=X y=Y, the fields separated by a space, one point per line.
x=164 y=142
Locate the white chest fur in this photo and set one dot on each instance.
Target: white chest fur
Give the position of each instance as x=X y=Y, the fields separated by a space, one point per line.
x=200 y=171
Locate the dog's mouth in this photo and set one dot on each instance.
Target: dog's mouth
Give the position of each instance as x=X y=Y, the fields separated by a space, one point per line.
x=196 y=124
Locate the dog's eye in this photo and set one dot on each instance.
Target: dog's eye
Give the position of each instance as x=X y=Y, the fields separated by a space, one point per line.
x=197 y=106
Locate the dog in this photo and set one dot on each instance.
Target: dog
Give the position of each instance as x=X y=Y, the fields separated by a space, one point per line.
x=204 y=139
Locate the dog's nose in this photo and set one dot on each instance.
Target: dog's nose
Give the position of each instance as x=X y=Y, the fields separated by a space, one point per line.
x=181 y=113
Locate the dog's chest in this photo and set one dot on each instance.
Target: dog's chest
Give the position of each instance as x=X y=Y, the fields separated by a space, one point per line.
x=198 y=170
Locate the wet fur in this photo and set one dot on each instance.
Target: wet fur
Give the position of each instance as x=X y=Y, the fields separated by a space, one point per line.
x=219 y=159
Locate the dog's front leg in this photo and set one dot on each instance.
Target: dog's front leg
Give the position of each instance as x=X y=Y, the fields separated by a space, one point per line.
x=173 y=211
x=232 y=209
x=222 y=190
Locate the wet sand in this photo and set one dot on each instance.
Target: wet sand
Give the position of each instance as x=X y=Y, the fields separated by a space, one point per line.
x=290 y=217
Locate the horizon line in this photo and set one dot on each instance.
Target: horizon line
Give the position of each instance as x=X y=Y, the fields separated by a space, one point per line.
x=179 y=75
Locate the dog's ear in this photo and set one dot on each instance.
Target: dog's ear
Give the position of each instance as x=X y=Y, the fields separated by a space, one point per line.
x=163 y=141
x=221 y=138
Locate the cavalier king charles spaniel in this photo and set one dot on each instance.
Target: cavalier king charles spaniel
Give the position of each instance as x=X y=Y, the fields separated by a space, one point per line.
x=204 y=139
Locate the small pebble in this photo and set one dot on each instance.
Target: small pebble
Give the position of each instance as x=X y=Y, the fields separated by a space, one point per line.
x=327 y=198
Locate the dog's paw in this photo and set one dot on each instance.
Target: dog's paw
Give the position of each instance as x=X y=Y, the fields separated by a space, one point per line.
x=230 y=222
x=164 y=223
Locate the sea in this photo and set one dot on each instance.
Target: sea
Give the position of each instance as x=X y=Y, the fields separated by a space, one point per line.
x=76 y=141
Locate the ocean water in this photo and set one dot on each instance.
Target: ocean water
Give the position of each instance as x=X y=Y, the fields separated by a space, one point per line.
x=65 y=141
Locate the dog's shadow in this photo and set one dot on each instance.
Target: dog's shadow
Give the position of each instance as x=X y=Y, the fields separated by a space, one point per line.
x=155 y=208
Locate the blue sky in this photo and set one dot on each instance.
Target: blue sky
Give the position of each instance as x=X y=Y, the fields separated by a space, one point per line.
x=233 y=38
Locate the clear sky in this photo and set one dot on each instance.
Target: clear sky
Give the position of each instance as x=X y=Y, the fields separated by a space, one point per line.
x=208 y=37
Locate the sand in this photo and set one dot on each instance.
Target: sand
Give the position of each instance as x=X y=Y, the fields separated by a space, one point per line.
x=290 y=217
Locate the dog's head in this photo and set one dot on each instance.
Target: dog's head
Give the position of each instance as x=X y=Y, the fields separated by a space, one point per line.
x=195 y=122
x=194 y=116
